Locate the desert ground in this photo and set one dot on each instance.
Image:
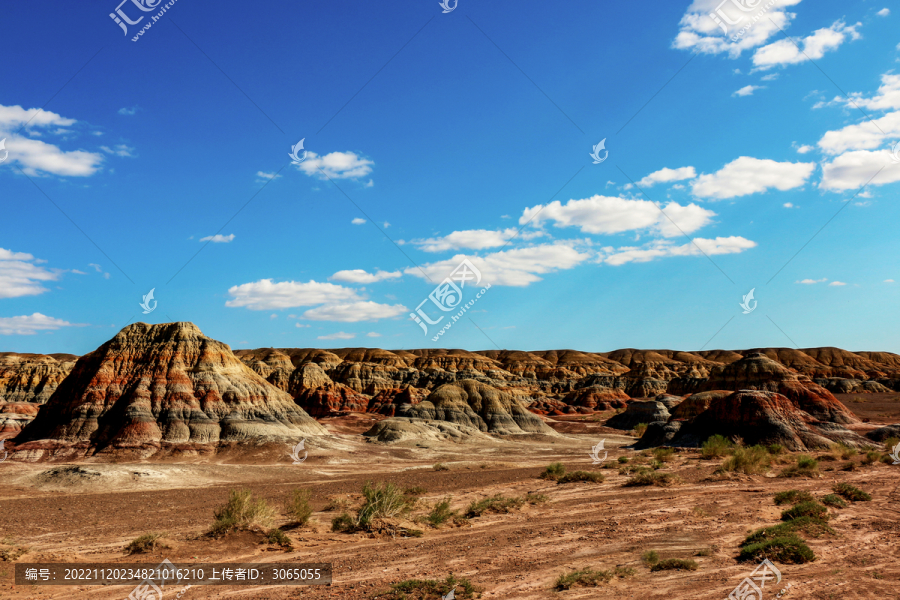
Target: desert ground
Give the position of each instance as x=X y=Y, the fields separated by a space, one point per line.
x=89 y=511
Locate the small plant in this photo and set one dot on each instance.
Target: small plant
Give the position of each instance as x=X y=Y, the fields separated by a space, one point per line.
x=242 y=512
x=834 y=501
x=699 y=512
x=440 y=513
x=807 y=462
x=664 y=454
x=639 y=430
x=891 y=442
x=887 y=459
x=656 y=465
x=675 y=564
x=788 y=549
x=806 y=466
x=716 y=446
x=382 y=501
x=532 y=498
x=338 y=503
x=842 y=450
x=145 y=543
x=871 y=457
x=495 y=504
x=705 y=552
x=590 y=577
x=415 y=491
x=430 y=589
x=651 y=478
x=278 y=537
x=805 y=509
x=297 y=506
x=813 y=526
x=853 y=494
x=343 y=522
x=553 y=471
x=622 y=460
x=650 y=557
x=440 y=467
x=752 y=460
x=587 y=476
x=792 y=497
x=775 y=449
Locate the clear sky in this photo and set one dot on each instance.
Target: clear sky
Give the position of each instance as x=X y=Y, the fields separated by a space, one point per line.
x=759 y=159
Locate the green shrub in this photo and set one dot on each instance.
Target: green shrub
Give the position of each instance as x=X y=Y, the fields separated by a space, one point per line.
x=651 y=478
x=622 y=460
x=834 y=501
x=343 y=522
x=805 y=509
x=775 y=449
x=415 y=491
x=789 y=549
x=752 y=460
x=891 y=442
x=589 y=476
x=853 y=494
x=440 y=467
x=553 y=471
x=675 y=564
x=887 y=459
x=590 y=577
x=440 y=513
x=146 y=543
x=871 y=457
x=792 y=497
x=639 y=430
x=382 y=501
x=813 y=526
x=664 y=454
x=297 y=506
x=428 y=589
x=843 y=450
x=493 y=504
x=650 y=557
x=806 y=466
x=655 y=465
x=278 y=537
x=716 y=446
x=242 y=512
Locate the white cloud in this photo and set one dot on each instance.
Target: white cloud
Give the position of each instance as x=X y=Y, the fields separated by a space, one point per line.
x=373 y=334
x=699 y=32
x=118 y=150
x=747 y=175
x=812 y=281
x=889 y=281
x=361 y=276
x=273 y=316
x=666 y=175
x=748 y=90
x=852 y=170
x=218 y=238
x=338 y=336
x=300 y=325
x=804 y=149
x=788 y=205
x=354 y=312
x=883 y=12
x=837 y=283
x=266 y=294
x=336 y=165
x=785 y=52
x=886 y=98
x=474 y=239
x=262 y=176
x=36 y=156
x=608 y=215
x=358 y=221
x=770 y=77
x=516 y=267
x=20 y=275
x=128 y=111
x=31 y=324
x=665 y=248
x=865 y=135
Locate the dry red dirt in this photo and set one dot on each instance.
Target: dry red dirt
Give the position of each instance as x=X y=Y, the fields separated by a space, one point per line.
x=516 y=555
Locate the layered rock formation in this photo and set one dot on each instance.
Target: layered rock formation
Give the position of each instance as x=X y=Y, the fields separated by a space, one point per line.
x=169 y=383
x=32 y=377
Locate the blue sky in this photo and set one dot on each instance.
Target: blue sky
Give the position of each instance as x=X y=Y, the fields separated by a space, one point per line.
x=433 y=137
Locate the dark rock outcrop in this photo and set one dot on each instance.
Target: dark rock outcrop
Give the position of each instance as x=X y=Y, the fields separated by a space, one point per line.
x=649 y=411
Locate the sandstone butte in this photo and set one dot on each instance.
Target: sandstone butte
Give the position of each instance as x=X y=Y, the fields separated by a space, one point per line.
x=158 y=385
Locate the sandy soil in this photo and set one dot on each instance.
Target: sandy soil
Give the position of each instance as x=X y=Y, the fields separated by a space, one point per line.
x=91 y=513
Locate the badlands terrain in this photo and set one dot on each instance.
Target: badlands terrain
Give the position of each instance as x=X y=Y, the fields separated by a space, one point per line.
x=151 y=433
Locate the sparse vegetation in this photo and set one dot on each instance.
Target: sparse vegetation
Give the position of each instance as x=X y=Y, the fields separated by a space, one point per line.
x=639 y=430
x=675 y=564
x=842 y=450
x=415 y=491
x=705 y=552
x=342 y=522
x=242 y=511
x=806 y=466
x=429 y=589
x=441 y=513
x=622 y=460
x=775 y=449
x=553 y=471
x=834 y=501
x=382 y=501
x=891 y=442
x=655 y=465
x=590 y=577
x=145 y=543
x=338 y=503
x=651 y=478
x=664 y=454
x=493 y=504
x=805 y=509
x=650 y=557
x=588 y=476
x=871 y=457
x=792 y=497
x=788 y=549
x=716 y=446
x=810 y=525
x=278 y=537
x=440 y=467
x=297 y=506
x=752 y=460
x=851 y=493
